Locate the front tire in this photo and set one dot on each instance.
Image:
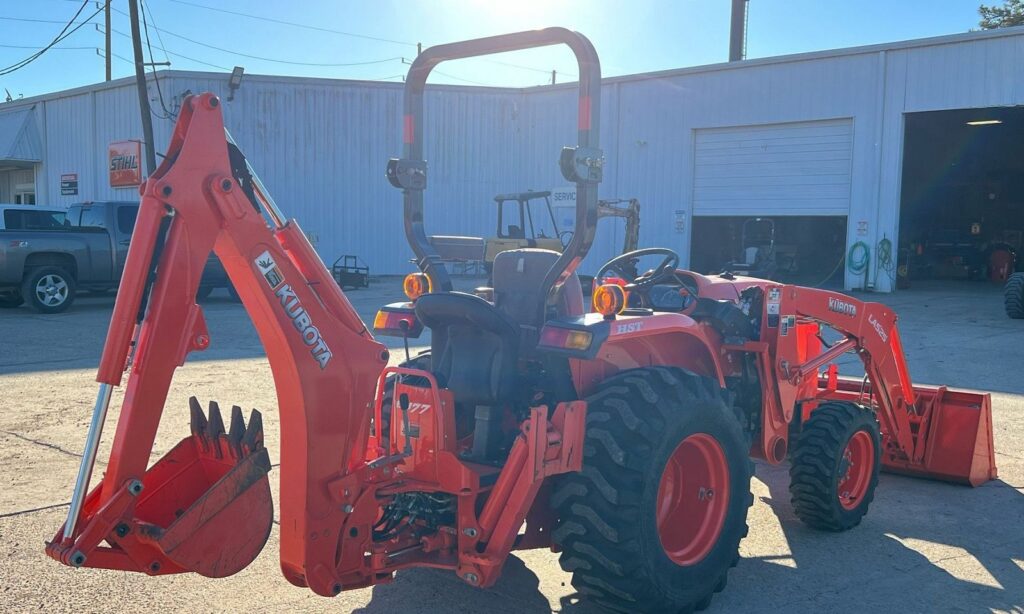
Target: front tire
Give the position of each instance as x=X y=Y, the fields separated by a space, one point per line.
x=49 y=289
x=654 y=520
x=835 y=464
x=1013 y=296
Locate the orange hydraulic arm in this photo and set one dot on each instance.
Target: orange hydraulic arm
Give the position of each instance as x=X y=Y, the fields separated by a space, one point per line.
x=325 y=366
x=932 y=431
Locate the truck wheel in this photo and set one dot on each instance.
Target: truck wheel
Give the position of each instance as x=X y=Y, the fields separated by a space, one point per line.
x=1013 y=296
x=654 y=520
x=49 y=289
x=835 y=466
x=10 y=301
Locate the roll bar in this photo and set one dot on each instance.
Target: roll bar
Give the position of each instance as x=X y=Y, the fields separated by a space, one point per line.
x=581 y=165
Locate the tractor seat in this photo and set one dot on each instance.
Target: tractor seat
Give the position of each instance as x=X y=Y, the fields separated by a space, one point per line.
x=474 y=347
x=518 y=275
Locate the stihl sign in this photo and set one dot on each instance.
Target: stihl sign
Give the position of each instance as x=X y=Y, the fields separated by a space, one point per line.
x=123 y=164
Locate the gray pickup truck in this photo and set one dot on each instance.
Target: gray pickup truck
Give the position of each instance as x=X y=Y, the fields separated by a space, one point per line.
x=46 y=264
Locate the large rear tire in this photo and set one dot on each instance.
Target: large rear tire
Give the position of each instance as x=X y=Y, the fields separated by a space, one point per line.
x=1013 y=296
x=654 y=520
x=834 y=468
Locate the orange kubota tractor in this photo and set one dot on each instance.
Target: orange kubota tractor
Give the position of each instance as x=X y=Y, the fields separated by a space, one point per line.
x=619 y=437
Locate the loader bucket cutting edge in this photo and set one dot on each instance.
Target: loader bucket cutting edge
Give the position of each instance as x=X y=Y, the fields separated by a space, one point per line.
x=958 y=444
x=206 y=504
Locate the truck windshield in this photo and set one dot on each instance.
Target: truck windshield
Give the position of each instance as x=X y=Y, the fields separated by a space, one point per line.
x=20 y=219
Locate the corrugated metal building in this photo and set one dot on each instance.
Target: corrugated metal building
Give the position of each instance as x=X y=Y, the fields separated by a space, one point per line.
x=806 y=136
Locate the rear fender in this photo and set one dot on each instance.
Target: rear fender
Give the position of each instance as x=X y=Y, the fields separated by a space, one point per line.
x=671 y=340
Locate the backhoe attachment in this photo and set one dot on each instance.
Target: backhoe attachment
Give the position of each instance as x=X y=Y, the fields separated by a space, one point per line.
x=205 y=506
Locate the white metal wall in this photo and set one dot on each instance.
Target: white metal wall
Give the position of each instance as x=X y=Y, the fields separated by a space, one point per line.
x=321 y=145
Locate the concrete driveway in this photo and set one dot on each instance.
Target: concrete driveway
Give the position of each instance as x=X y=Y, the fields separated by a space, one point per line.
x=924 y=546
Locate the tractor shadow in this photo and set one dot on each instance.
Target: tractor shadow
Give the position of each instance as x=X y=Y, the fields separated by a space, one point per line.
x=439 y=590
x=923 y=546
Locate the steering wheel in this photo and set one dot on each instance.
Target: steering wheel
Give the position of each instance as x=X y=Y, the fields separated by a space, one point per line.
x=625 y=266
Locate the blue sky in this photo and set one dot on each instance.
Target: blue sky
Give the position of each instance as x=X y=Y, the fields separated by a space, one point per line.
x=635 y=36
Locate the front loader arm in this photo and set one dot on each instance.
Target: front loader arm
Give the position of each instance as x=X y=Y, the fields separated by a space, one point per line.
x=870 y=331
x=324 y=362
x=929 y=431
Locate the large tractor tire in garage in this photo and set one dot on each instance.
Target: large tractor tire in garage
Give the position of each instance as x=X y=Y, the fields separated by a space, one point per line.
x=1013 y=296
x=654 y=520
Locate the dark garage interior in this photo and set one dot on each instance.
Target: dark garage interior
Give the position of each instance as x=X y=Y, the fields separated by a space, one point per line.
x=807 y=250
x=962 y=204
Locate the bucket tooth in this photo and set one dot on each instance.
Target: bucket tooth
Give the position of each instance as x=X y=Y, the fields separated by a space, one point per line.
x=198 y=424
x=253 y=438
x=237 y=430
x=215 y=428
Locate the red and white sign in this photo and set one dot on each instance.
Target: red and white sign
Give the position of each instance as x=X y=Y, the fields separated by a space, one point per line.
x=124 y=164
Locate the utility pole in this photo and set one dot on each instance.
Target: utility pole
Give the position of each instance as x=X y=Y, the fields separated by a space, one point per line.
x=140 y=84
x=106 y=34
x=552 y=77
x=738 y=30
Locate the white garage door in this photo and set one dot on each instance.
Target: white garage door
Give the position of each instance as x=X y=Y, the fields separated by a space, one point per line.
x=774 y=169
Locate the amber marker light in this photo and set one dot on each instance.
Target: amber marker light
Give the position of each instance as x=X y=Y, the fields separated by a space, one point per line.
x=609 y=300
x=416 y=285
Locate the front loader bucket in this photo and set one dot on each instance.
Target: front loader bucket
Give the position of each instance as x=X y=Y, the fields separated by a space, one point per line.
x=206 y=504
x=957 y=437
x=953 y=431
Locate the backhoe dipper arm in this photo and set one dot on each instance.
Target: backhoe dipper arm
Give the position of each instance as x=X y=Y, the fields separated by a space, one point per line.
x=324 y=363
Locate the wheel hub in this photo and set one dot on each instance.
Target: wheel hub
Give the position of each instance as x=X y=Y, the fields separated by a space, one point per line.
x=51 y=290
x=855 y=468
x=693 y=499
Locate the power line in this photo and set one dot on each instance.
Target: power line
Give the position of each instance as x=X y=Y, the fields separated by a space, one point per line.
x=243 y=54
x=450 y=76
x=63 y=34
x=297 y=25
x=331 y=31
x=163 y=48
x=152 y=64
x=53 y=48
x=175 y=53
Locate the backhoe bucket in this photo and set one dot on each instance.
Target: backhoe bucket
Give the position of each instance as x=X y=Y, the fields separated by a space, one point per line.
x=206 y=504
x=957 y=437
